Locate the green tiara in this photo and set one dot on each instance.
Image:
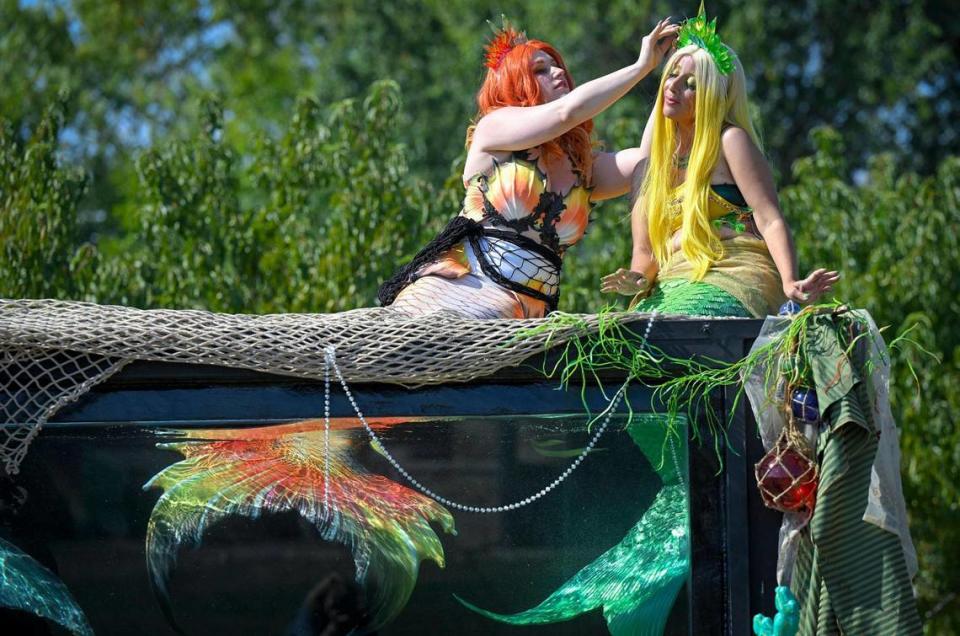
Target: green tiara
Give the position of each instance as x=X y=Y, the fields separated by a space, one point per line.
x=704 y=34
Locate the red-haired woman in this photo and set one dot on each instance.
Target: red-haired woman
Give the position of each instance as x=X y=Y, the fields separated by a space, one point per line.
x=531 y=175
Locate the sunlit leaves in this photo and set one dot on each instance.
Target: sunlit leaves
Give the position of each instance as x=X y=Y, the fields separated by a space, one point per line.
x=41 y=253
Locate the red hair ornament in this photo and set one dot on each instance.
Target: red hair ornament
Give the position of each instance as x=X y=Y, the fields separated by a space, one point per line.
x=504 y=39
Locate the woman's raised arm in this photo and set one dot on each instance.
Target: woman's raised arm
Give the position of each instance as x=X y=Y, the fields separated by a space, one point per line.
x=521 y=127
x=616 y=173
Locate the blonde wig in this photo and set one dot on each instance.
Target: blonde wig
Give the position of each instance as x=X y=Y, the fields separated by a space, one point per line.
x=721 y=100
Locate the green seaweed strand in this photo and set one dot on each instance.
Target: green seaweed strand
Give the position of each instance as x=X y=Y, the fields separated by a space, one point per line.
x=683 y=386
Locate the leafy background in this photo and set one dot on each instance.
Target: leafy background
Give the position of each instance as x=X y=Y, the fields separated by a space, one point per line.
x=281 y=156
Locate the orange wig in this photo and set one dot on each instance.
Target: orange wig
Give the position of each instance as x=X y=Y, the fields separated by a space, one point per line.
x=511 y=82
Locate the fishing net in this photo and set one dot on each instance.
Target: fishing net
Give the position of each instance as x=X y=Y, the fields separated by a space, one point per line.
x=52 y=352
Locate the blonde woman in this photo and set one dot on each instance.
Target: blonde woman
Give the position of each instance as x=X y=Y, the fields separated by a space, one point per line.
x=708 y=234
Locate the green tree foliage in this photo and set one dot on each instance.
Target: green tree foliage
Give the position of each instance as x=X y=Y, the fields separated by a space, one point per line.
x=311 y=222
x=40 y=248
x=884 y=72
x=871 y=69
x=196 y=243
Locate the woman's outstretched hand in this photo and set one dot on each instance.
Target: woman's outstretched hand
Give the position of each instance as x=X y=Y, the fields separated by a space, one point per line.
x=657 y=43
x=808 y=290
x=624 y=281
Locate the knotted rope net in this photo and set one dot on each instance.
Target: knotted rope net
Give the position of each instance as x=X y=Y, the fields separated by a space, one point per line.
x=52 y=352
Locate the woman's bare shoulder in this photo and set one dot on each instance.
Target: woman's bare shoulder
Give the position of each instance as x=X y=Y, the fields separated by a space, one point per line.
x=738 y=150
x=736 y=140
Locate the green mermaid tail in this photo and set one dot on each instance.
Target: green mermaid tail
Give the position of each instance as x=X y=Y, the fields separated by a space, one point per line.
x=679 y=296
x=637 y=580
x=26 y=585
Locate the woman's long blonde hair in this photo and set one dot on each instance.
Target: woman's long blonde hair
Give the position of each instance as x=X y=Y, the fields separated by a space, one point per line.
x=720 y=100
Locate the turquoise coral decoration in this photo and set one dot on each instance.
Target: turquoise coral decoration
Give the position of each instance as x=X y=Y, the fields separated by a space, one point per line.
x=786 y=622
x=704 y=34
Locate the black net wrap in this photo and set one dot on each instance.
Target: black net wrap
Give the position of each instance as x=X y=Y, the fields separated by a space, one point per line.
x=463 y=229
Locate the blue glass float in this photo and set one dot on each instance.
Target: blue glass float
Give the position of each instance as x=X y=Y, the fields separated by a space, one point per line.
x=804 y=404
x=789 y=308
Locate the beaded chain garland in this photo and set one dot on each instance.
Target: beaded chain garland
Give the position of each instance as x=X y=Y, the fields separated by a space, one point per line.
x=331 y=363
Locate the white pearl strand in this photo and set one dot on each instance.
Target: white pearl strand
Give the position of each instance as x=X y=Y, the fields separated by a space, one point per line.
x=327 y=357
x=330 y=359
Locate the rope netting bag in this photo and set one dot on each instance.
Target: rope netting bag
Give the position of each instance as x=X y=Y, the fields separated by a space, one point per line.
x=53 y=352
x=787 y=475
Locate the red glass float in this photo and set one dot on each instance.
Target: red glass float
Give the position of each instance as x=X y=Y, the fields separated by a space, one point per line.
x=787 y=478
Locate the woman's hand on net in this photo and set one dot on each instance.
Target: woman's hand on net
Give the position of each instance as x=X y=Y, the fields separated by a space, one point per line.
x=657 y=44
x=624 y=281
x=808 y=290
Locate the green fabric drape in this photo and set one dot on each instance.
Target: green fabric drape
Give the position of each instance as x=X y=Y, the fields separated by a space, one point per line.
x=851 y=576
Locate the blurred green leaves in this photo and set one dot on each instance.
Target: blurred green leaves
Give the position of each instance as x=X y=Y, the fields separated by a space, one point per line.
x=41 y=252
x=313 y=221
